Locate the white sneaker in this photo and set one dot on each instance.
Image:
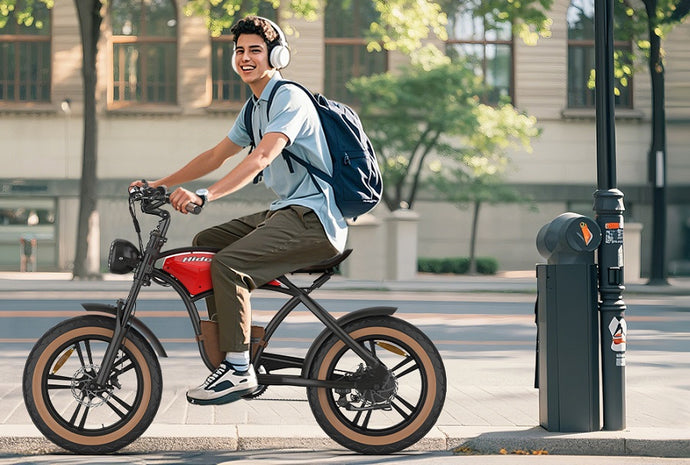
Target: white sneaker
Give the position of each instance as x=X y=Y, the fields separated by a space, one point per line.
x=223 y=386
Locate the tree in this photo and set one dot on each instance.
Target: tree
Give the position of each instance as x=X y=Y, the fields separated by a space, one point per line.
x=659 y=16
x=410 y=115
x=89 y=13
x=403 y=25
x=646 y=23
x=476 y=174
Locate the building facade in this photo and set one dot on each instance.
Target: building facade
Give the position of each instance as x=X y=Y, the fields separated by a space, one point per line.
x=166 y=92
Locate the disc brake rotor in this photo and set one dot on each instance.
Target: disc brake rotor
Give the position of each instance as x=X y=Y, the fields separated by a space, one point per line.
x=85 y=390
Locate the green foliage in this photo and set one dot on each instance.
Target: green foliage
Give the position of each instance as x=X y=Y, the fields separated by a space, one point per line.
x=410 y=114
x=456 y=265
x=28 y=14
x=487 y=265
x=453 y=265
x=476 y=173
x=529 y=17
x=635 y=24
x=402 y=25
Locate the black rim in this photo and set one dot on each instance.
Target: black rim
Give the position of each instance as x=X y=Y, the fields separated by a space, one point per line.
x=405 y=404
x=81 y=407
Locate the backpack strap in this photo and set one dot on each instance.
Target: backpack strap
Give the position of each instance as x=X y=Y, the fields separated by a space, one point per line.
x=248 y=110
x=248 y=124
x=289 y=156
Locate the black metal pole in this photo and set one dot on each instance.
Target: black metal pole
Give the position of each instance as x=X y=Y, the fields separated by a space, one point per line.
x=608 y=205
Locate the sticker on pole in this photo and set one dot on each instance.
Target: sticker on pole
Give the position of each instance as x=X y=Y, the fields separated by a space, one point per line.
x=613 y=233
x=618 y=329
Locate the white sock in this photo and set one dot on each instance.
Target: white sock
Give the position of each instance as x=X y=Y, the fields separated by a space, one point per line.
x=239 y=360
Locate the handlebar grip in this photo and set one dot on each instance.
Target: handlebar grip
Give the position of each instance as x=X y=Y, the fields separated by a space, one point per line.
x=193 y=208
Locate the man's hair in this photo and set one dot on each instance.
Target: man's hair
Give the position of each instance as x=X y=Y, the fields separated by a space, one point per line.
x=256 y=25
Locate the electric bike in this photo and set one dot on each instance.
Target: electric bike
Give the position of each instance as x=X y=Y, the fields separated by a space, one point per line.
x=92 y=384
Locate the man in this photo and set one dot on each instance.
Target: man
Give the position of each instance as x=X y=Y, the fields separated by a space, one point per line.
x=301 y=228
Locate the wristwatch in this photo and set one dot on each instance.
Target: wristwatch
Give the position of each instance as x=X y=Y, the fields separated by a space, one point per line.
x=203 y=195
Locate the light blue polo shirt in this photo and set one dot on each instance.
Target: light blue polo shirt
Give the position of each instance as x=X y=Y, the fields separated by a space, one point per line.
x=293 y=114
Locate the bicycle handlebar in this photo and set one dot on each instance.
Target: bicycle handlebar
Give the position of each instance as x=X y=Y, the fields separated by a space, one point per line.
x=154 y=197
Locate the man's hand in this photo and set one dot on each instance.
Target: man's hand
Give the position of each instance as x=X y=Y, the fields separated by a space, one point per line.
x=142 y=183
x=181 y=197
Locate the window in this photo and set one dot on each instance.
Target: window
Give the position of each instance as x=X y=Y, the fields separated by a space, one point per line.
x=144 y=48
x=25 y=57
x=580 y=18
x=347 y=57
x=227 y=86
x=488 y=49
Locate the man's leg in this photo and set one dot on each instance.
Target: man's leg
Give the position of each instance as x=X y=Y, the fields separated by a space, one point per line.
x=286 y=240
x=222 y=236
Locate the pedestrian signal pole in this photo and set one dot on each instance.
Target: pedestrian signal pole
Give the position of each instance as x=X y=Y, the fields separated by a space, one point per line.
x=608 y=205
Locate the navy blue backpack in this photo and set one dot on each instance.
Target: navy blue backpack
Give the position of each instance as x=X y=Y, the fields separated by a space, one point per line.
x=356 y=181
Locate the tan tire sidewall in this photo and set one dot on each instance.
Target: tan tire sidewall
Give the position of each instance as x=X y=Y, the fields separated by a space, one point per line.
x=428 y=401
x=43 y=410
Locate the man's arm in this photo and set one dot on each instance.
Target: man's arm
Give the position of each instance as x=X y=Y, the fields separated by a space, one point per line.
x=201 y=165
x=270 y=146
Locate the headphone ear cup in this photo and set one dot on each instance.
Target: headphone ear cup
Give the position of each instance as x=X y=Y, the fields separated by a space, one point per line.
x=233 y=64
x=280 y=57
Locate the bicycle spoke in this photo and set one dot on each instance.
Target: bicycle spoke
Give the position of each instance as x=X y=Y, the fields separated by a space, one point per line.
x=58 y=378
x=404 y=362
x=83 y=418
x=124 y=369
x=414 y=367
x=407 y=404
x=122 y=403
x=402 y=413
x=365 y=423
x=72 y=421
x=372 y=347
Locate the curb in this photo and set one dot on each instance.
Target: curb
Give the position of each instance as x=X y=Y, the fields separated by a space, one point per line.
x=649 y=442
x=463 y=440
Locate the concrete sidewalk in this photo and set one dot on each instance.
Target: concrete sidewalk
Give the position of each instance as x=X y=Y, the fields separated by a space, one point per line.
x=490 y=406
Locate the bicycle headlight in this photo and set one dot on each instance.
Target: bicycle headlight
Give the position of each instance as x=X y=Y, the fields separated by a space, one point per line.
x=124 y=256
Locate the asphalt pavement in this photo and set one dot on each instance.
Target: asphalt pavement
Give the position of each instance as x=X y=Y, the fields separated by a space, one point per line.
x=491 y=405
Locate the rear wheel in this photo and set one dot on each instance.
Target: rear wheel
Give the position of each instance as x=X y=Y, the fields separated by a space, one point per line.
x=66 y=404
x=400 y=408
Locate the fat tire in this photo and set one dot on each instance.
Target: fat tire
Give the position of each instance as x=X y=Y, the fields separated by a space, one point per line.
x=48 y=420
x=408 y=431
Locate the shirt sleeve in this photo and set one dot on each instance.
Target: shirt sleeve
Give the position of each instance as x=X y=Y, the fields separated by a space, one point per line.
x=290 y=113
x=238 y=133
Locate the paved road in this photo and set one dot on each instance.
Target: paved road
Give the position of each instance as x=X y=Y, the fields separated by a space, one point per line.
x=332 y=457
x=487 y=341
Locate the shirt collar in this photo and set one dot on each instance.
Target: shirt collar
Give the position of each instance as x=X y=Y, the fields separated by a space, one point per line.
x=269 y=87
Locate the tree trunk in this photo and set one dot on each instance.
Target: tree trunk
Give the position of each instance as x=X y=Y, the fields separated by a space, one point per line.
x=657 y=152
x=89 y=13
x=473 y=237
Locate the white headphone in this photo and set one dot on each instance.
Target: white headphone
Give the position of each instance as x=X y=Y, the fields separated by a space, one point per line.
x=280 y=54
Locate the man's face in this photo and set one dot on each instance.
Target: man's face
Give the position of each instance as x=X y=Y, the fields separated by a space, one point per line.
x=251 y=58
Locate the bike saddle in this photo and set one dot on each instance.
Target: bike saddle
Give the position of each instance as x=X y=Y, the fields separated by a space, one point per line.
x=326 y=265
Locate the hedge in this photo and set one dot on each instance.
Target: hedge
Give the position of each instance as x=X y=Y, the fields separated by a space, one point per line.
x=456 y=265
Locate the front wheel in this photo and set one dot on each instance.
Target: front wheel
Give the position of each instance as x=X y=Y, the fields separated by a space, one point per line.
x=398 y=409
x=66 y=404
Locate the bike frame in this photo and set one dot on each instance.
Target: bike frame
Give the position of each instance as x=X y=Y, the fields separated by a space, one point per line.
x=147 y=272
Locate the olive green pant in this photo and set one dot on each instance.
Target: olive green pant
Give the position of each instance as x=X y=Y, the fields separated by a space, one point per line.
x=256 y=249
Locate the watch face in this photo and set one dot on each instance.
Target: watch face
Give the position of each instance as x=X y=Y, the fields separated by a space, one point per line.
x=202 y=192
